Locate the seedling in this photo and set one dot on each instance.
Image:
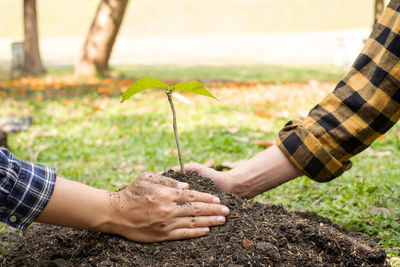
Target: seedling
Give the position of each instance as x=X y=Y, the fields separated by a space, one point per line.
x=146 y=83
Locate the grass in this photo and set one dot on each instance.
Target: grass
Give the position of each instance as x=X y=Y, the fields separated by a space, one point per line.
x=240 y=73
x=127 y=139
x=235 y=73
x=93 y=139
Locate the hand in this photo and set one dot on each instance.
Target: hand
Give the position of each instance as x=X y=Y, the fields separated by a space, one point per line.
x=264 y=171
x=155 y=208
x=223 y=180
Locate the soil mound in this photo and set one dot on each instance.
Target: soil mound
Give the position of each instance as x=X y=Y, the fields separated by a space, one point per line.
x=255 y=234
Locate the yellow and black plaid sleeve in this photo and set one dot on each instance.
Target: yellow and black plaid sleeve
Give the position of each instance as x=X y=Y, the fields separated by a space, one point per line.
x=363 y=106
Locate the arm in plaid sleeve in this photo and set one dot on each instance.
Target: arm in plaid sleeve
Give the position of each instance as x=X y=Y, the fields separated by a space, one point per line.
x=25 y=190
x=363 y=106
x=30 y=192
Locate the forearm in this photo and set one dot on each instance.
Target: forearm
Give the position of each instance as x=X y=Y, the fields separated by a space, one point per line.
x=77 y=205
x=147 y=210
x=363 y=106
x=266 y=170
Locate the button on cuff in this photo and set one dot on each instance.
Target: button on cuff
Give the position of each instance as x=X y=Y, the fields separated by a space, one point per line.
x=12 y=218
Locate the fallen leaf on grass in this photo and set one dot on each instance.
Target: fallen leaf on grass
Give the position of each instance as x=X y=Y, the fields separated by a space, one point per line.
x=264 y=143
x=264 y=128
x=268 y=102
x=87 y=100
x=171 y=152
x=382 y=153
x=398 y=133
x=314 y=83
x=233 y=130
x=255 y=134
x=382 y=137
x=241 y=116
x=276 y=114
x=139 y=168
x=114 y=129
x=370 y=152
x=128 y=168
x=104 y=91
x=52 y=133
x=39 y=98
x=379 y=210
x=21 y=91
x=100 y=106
x=241 y=139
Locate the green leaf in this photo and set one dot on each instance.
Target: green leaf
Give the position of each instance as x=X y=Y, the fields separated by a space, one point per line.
x=141 y=85
x=193 y=87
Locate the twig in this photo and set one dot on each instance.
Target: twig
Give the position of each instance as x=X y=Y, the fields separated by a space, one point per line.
x=178 y=145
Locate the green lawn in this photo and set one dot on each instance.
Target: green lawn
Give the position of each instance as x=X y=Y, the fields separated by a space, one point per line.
x=235 y=73
x=239 y=73
x=94 y=139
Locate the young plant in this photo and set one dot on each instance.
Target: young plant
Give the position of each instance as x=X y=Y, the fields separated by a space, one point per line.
x=146 y=83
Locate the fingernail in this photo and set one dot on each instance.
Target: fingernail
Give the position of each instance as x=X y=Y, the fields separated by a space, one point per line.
x=206 y=230
x=221 y=219
x=225 y=210
x=216 y=200
x=183 y=185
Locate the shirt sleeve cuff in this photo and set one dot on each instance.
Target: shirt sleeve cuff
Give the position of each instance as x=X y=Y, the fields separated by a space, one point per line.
x=30 y=192
x=308 y=154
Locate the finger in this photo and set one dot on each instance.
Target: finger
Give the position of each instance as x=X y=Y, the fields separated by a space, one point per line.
x=196 y=222
x=163 y=180
x=164 y=171
x=190 y=167
x=195 y=196
x=200 y=209
x=186 y=233
x=175 y=169
x=199 y=169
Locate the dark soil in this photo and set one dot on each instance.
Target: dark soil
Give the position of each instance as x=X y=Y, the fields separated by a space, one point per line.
x=255 y=234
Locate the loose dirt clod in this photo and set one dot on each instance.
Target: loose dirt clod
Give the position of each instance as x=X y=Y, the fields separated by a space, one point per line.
x=255 y=234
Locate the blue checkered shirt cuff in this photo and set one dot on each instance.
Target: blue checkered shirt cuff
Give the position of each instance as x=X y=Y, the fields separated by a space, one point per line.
x=25 y=190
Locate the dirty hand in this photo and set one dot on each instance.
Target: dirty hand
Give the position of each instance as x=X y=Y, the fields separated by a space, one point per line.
x=223 y=180
x=155 y=208
x=264 y=171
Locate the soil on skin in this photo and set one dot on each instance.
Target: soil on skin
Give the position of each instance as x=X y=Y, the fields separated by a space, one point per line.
x=255 y=234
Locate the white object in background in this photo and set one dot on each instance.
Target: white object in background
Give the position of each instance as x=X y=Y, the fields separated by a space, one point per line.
x=18 y=56
x=181 y=98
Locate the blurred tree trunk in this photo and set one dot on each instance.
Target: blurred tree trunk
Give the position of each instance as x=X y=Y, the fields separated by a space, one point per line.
x=3 y=139
x=378 y=10
x=32 y=62
x=100 y=39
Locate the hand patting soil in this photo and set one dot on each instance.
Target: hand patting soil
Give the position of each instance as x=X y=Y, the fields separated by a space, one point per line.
x=255 y=234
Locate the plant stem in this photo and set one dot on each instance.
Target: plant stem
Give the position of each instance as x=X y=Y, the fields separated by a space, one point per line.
x=178 y=145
